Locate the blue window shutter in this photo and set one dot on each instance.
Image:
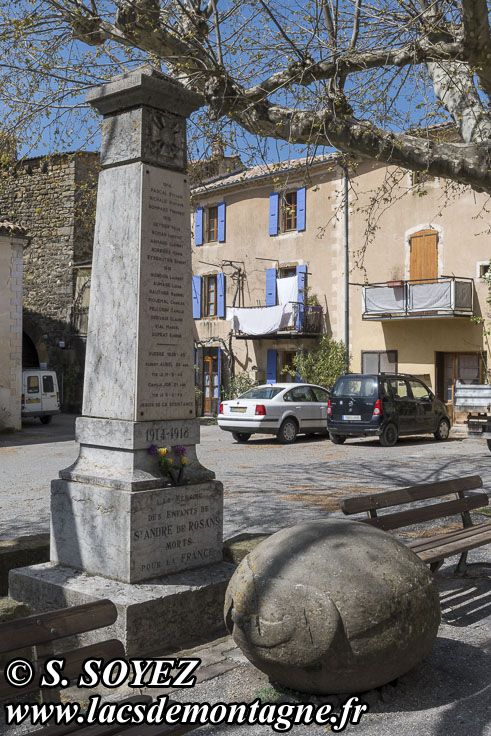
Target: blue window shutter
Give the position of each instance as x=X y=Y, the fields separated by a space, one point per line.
x=196 y=297
x=301 y=208
x=302 y=281
x=219 y=361
x=271 y=287
x=274 y=200
x=271 y=366
x=221 y=222
x=198 y=226
x=220 y=295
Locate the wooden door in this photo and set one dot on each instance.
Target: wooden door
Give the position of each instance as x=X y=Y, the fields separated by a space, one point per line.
x=211 y=383
x=423 y=264
x=465 y=367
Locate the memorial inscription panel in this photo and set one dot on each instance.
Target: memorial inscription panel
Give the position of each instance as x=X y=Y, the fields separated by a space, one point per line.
x=178 y=529
x=165 y=350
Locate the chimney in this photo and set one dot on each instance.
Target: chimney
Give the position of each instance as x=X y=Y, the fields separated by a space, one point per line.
x=217 y=150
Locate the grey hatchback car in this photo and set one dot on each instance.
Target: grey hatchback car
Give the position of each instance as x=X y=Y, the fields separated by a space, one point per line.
x=385 y=405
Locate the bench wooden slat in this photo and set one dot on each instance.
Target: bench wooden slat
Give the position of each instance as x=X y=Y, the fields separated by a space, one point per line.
x=449 y=547
x=428 y=513
x=107 y=650
x=94 y=729
x=44 y=627
x=429 y=542
x=385 y=499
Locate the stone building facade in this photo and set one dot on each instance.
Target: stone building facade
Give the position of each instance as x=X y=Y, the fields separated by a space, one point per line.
x=12 y=242
x=54 y=199
x=414 y=284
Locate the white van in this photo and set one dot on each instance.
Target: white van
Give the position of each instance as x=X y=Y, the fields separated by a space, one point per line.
x=40 y=395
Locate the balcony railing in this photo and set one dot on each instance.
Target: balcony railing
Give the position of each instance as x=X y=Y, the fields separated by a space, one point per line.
x=447 y=296
x=298 y=320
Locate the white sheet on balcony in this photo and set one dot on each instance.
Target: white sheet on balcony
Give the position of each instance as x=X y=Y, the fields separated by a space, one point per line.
x=287 y=290
x=261 y=320
x=430 y=296
x=384 y=299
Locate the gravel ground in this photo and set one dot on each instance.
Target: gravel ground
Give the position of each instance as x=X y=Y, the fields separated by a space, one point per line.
x=268 y=486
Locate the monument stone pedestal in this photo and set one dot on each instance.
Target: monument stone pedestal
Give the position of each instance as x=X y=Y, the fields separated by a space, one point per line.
x=119 y=528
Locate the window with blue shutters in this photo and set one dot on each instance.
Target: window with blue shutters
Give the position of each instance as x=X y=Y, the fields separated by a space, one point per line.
x=288 y=213
x=209 y=296
x=209 y=224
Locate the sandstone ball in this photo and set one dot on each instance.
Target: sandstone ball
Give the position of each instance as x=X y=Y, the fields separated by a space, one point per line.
x=332 y=606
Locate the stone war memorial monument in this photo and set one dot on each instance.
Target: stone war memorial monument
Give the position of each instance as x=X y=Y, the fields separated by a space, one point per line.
x=119 y=530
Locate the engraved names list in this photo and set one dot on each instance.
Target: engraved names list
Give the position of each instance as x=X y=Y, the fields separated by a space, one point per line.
x=165 y=355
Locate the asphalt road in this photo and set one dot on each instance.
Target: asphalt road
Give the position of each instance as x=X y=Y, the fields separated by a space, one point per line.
x=266 y=485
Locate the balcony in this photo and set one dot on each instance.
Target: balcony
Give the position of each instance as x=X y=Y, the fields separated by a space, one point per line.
x=447 y=296
x=292 y=320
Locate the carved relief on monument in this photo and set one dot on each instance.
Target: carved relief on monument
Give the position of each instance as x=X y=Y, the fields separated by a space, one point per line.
x=165 y=137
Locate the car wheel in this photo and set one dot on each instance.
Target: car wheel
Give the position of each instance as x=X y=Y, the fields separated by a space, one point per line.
x=241 y=436
x=389 y=436
x=46 y=420
x=288 y=432
x=443 y=430
x=338 y=439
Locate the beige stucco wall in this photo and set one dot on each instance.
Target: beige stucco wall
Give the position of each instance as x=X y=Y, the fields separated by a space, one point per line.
x=250 y=246
x=10 y=331
x=381 y=199
x=460 y=217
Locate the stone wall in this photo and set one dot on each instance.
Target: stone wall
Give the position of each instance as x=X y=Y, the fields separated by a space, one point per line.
x=53 y=198
x=10 y=330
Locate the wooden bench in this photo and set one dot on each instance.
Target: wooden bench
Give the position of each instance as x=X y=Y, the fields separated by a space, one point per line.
x=432 y=550
x=39 y=632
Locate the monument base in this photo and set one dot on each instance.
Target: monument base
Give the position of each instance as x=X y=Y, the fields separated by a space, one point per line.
x=160 y=615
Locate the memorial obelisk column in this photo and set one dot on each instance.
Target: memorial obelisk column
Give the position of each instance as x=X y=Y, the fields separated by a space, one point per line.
x=116 y=520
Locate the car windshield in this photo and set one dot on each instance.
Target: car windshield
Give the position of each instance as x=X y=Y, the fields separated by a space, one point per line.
x=262 y=392
x=359 y=386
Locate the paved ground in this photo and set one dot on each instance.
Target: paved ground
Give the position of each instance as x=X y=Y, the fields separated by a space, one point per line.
x=268 y=486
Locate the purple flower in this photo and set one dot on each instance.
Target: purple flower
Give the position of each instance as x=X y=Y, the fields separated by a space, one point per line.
x=180 y=450
x=152 y=450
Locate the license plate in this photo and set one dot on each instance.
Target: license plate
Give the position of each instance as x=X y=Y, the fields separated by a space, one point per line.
x=238 y=409
x=351 y=418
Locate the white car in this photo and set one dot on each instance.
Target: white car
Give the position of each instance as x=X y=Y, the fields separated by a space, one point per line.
x=283 y=409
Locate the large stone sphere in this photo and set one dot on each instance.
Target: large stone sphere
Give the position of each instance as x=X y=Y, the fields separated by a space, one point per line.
x=332 y=606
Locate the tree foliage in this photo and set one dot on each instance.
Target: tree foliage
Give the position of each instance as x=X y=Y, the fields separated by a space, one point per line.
x=322 y=365
x=367 y=78
x=237 y=385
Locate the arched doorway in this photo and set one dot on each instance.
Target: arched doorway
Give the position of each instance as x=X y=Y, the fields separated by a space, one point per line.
x=30 y=357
